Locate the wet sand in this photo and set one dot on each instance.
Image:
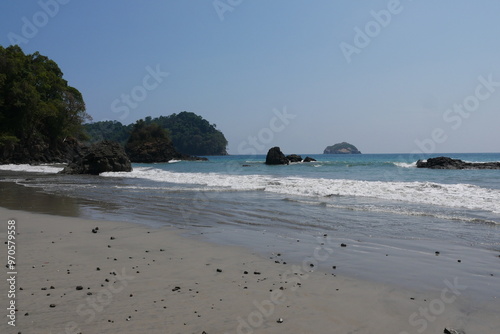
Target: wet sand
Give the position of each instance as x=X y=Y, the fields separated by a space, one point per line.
x=127 y=278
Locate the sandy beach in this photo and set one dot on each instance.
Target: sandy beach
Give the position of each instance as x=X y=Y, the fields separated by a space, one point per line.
x=83 y=276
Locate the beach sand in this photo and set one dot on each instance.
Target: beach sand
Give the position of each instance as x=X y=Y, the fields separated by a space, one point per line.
x=129 y=278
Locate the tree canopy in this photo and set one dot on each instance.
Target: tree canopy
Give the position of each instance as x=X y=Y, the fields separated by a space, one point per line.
x=36 y=104
x=190 y=133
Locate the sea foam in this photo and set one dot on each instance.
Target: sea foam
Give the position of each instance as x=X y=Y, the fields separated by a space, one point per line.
x=450 y=195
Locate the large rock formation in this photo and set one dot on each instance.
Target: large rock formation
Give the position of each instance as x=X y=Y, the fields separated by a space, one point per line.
x=37 y=152
x=341 y=148
x=276 y=157
x=449 y=163
x=105 y=156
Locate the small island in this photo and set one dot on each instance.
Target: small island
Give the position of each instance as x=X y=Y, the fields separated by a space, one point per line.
x=341 y=148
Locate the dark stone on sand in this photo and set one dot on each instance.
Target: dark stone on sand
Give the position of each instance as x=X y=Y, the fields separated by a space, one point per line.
x=256 y=272
x=177 y=288
x=452 y=331
x=105 y=156
x=219 y=270
x=343 y=245
x=276 y=157
x=79 y=287
x=309 y=159
x=94 y=230
x=437 y=253
x=449 y=163
x=52 y=305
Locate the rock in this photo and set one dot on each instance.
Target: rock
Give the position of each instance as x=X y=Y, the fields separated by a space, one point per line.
x=36 y=152
x=452 y=331
x=105 y=156
x=449 y=163
x=341 y=148
x=294 y=158
x=276 y=157
x=309 y=159
x=79 y=287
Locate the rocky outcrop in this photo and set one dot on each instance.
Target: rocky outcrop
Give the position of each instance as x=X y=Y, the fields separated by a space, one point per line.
x=105 y=156
x=157 y=151
x=294 y=158
x=37 y=152
x=276 y=157
x=449 y=163
x=341 y=148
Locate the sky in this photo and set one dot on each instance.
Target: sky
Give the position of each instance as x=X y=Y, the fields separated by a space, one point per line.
x=387 y=76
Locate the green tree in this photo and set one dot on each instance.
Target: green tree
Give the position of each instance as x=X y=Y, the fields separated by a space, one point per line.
x=36 y=104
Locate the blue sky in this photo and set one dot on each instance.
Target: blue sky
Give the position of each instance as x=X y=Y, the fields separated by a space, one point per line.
x=387 y=76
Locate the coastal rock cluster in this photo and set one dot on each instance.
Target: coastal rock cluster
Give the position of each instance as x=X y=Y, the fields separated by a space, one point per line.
x=156 y=151
x=37 y=152
x=276 y=157
x=449 y=163
x=105 y=156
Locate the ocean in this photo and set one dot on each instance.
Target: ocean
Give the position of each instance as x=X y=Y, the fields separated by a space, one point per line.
x=378 y=205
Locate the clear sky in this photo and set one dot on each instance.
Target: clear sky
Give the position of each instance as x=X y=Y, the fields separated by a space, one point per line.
x=387 y=76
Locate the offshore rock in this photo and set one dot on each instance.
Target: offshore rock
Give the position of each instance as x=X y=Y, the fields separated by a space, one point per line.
x=105 y=156
x=309 y=159
x=294 y=158
x=341 y=148
x=276 y=157
x=449 y=163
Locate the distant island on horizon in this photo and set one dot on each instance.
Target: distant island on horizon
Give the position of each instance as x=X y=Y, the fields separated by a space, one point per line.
x=341 y=148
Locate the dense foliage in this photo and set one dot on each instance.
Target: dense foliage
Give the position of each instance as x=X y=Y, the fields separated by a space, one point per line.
x=108 y=130
x=37 y=106
x=190 y=133
x=145 y=133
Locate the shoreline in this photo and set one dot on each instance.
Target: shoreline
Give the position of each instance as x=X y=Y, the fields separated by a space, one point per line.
x=137 y=279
